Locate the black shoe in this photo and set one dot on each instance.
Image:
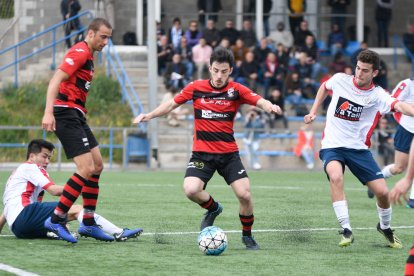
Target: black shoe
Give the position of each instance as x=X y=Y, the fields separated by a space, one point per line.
x=250 y=243
x=347 y=237
x=394 y=241
x=209 y=217
x=370 y=193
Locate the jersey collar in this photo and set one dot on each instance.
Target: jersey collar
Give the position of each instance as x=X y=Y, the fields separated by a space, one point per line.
x=360 y=88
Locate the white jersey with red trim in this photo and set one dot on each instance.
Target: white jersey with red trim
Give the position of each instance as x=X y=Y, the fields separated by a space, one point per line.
x=404 y=91
x=24 y=187
x=353 y=112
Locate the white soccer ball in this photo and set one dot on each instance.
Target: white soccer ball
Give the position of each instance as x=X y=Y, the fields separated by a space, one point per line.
x=212 y=240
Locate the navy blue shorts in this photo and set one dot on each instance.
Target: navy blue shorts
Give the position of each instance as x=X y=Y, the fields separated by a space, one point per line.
x=228 y=165
x=29 y=223
x=360 y=162
x=402 y=139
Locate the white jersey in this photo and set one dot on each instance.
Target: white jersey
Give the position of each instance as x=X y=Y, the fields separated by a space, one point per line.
x=24 y=187
x=404 y=92
x=353 y=112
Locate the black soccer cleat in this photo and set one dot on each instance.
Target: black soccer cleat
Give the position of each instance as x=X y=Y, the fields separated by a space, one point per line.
x=347 y=238
x=209 y=217
x=250 y=243
x=393 y=240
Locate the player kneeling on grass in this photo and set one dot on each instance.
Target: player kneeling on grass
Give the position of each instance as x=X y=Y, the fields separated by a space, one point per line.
x=216 y=102
x=24 y=210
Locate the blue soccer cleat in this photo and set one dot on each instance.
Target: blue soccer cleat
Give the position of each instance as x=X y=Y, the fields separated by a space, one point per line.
x=60 y=229
x=94 y=231
x=128 y=234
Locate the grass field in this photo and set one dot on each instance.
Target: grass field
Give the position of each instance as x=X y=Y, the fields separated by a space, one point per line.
x=295 y=226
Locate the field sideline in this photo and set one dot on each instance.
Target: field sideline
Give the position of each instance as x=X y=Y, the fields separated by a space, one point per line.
x=295 y=226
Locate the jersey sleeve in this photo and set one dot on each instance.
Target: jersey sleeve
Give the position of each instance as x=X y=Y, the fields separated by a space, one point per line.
x=329 y=84
x=247 y=96
x=186 y=94
x=74 y=60
x=386 y=102
x=401 y=91
x=38 y=177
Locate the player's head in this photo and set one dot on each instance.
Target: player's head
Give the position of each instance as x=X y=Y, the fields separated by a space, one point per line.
x=367 y=68
x=40 y=151
x=221 y=66
x=99 y=32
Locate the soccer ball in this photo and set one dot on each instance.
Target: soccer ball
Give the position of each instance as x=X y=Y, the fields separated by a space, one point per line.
x=212 y=240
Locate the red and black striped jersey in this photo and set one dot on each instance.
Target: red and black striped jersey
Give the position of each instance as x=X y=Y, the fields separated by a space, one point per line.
x=214 y=112
x=78 y=64
x=409 y=267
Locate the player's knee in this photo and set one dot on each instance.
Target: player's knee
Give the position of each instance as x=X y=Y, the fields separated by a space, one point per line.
x=336 y=178
x=98 y=168
x=245 y=196
x=190 y=190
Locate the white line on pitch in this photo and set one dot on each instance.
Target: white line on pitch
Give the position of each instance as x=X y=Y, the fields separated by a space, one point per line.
x=16 y=271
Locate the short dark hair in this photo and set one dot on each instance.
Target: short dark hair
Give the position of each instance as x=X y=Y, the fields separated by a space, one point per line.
x=222 y=55
x=36 y=145
x=370 y=57
x=97 y=23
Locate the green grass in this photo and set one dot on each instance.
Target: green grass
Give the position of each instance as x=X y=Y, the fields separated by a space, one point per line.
x=291 y=206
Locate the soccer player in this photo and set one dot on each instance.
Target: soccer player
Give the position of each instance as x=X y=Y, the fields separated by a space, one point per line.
x=216 y=102
x=352 y=115
x=65 y=115
x=24 y=210
x=404 y=91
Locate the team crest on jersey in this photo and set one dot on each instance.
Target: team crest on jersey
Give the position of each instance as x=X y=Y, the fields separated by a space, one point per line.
x=230 y=92
x=348 y=110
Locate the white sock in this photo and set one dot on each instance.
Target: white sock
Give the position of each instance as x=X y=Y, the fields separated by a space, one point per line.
x=386 y=171
x=412 y=191
x=385 y=217
x=107 y=226
x=341 y=212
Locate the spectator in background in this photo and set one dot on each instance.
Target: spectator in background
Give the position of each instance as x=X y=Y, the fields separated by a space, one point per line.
x=336 y=40
x=339 y=64
x=296 y=10
x=282 y=56
x=225 y=43
x=312 y=50
x=177 y=114
x=305 y=146
x=174 y=76
x=382 y=78
x=254 y=126
x=305 y=71
x=293 y=92
x=248 y=35
x=249 y=71
x=209 y=7
x=267 y=7
x=261 y=51
x=385 y=142
x=186 y=53
x=271 y=74
x=159 y=30
x=201 y=56
x=239 y=51
x=302 y=33
x=107 y=11
x=230 y=32
x=175 y=33
x=276 y=97
x=339 y=7
x=383 y=13
x=281 y=36
x=68 y=9
x=193 y=34
x=211 y=34
x=408 y=41
x=165 y=52
x=363 y=46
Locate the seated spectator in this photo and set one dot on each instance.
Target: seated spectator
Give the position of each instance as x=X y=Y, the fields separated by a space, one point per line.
x=164 y=51
x=304 y=69
x=239 y=51
x=293 y=93
x=261 y=51
x=408 y=41
x=230 y=32
x=225 y=43
x=179 y=113
x=249 y=71
x=339 y=63
x=254 y=127
x=201 y=57
x=354 y=56
x=248 y=35
x=312 y=51
x=211 y=34
x=282 y=56
x=174 y=76
x=382 y=78
x=281 y=35
x=193 y=34
x=385 y=142
x=272 y=76
x=276 y=98
x=336 y=40
x=159 y=31
x=175 y=33
x=302 y=33
x=186 y=53
x=305 y=146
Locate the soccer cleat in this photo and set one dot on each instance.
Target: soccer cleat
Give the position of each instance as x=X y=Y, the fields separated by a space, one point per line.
x=53 y=236
x=209 y=217
x=410 y=203
x=394 y=241
x=347 y=237
x=370 y=193
x=128 y=234
x=250 y=243
x=94 y=231
x=60 y=230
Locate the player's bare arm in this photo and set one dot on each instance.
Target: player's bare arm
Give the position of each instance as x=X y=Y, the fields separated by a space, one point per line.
x=55 y=190
x=405 y=108
x=320 y=97
x=161 y=110
x=268 y=107
x=2 y=221
x=48 y=121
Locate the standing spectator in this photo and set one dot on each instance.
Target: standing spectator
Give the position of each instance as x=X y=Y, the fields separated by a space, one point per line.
x=254 y=126
x=261 y=51
x=211 y=34
x=302 y=33
x=175 y=33
x=193 y=34
x=305 y=146
x=267 y=7
x=383 y=13
x=186 y=53
x=281 y=35
x=276 y=98
x=174 y=76
x=107 y=11
x=296 y=10
x=408 y=41
x=385 y=142
x=164 y=52
x=230 y=32
x=68 y=9
x=248 y=35
x=209 y=7
x=271 y=74
x=336 y=40
x=201 y=56
x=339 y=8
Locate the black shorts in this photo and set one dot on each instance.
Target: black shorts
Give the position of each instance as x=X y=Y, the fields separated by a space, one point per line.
x=73 y=131
x=203 y=165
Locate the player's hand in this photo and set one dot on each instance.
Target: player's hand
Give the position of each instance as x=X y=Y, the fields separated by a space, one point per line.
x=141 y=118
x=48 y=122
x=400 y=190
x=309 y=118
x=276 y=109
